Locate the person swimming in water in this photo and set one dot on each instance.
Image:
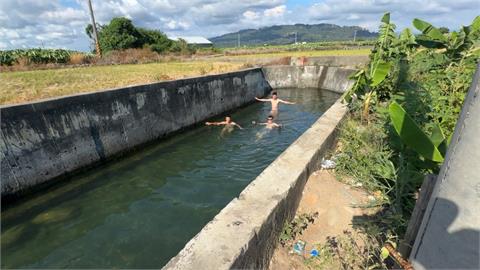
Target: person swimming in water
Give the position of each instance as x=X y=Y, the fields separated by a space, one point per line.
x=274 y=100
x=227 y=123
x=270 y=124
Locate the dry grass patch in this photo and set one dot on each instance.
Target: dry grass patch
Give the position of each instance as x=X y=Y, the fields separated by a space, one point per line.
x=26 y=86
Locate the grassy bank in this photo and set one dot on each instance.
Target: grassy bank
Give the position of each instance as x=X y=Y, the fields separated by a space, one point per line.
x=33 y=85
x=23 y=86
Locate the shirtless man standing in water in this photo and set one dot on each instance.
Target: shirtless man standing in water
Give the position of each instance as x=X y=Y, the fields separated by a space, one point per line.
x=275 y=101
x=228 y=123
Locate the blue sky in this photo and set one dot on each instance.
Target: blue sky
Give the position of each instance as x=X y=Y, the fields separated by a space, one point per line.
x=61 y=23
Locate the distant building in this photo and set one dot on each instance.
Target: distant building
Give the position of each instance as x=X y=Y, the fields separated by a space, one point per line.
x=197 y=41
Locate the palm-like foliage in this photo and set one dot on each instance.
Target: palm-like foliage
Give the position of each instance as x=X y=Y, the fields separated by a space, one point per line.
x=36 y=55
x=366 y=81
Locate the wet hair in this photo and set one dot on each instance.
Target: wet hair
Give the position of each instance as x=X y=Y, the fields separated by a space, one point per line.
x=270 y=117
x=274 y=93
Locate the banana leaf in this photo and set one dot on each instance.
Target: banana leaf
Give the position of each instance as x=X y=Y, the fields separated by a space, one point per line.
x=429 y=30
x=386 y=17
x=411 y=134
x=379 y=72
x=437 y=136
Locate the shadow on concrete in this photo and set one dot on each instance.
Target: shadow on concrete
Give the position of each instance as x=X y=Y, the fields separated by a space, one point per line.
x=442 y=246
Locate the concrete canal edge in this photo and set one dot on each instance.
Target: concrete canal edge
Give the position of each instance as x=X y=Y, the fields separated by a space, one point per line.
x=42 y=141
x=243 y=235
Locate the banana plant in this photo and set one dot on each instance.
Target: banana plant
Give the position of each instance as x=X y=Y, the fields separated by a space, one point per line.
x=431 y=36
x=431 y=147
x=456 y=44
x=406 y=42
x=367 y=79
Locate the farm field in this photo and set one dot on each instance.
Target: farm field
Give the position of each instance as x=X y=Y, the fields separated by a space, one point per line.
x=311 y=53
x=24 y=86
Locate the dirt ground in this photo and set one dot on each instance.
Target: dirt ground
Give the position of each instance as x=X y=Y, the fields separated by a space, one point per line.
x=333 y=201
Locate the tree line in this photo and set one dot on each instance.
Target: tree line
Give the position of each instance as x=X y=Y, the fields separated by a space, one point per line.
x=121 y=34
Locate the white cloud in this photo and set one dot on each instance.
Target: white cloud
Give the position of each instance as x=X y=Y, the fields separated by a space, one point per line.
x=367 y=13
x=176 y=25
x=51 y=23
x=251 y=15
x=276 y=11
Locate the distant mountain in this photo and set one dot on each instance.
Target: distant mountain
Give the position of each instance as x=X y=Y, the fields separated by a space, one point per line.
x=285 y=34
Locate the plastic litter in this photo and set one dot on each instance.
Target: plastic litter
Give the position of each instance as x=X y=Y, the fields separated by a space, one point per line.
x=314 y=252
x=328 y=164
x=299 y=247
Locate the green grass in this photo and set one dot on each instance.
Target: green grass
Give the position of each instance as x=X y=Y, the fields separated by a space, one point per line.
x=26 y=86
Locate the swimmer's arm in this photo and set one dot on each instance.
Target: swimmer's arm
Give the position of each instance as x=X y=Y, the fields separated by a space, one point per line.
x=262 y=99
x=214 y=123
x=237 y=125
x=285 y=102
x=263 y=124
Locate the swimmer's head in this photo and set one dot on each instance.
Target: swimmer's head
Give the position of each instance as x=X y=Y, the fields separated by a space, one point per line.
x=228 y=119
x=270 y=119
x=274 y=95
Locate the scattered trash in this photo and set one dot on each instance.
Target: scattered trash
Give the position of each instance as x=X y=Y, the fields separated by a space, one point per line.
x=358 y=184
x=328 y=164
x=299 y=247
x=314 y=252
x=371 y=198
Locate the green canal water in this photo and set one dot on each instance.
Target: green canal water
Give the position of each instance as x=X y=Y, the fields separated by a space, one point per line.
x=138 y=212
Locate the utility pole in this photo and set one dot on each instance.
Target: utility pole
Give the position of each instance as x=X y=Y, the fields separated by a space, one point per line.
x=295 y=33
x=238 y=40
x=95 y=33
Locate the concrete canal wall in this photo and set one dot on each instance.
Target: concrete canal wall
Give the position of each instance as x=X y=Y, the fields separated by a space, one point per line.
x=47 y=139
x=352 y=61
x=323 y=77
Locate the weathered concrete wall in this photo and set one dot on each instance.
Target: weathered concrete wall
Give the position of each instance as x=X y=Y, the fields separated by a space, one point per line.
x=243 y=235
x=47 y=139
x=353 y=61
x=449 y=236
x=329 y=78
